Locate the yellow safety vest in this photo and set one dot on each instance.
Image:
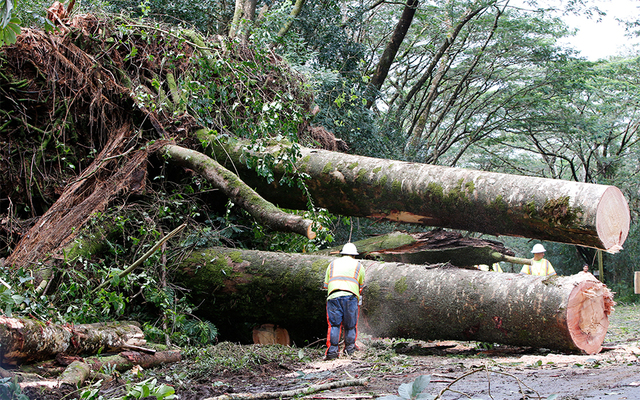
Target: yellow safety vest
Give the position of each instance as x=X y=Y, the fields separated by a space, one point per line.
x=541 y=267
x=345 y=274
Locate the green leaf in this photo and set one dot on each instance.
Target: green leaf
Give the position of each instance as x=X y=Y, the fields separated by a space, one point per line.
x=164 y=391
x=420 y=384
x=17 y=299
x=405 y=390
x=9 y=35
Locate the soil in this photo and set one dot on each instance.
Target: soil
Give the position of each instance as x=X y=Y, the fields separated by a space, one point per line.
x=458 y=370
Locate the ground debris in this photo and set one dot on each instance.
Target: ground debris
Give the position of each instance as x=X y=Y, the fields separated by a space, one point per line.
x=292 y=393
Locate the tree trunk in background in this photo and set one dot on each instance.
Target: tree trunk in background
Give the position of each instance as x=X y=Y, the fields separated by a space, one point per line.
x=24 y=340
x=493 y=203
x=239 y=289
x=249 y=17
x=297 y=8
x=235 y=21
x=389 y=54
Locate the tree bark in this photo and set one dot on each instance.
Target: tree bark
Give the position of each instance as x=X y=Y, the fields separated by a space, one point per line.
x=561 y=313
x=235 y=21
x=249 y=16
x=128 y=359
x=239 y=288
x=75 y=374
x=24 y=340
x=497 y=204
x=266 y=213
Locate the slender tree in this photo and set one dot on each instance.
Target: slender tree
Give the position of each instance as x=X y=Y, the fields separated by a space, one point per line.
x=389 y=54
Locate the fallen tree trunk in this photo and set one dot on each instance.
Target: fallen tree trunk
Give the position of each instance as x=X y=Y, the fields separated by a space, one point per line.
x=24 y=340
x=557 y=312
x=433 y=247
x=78 y=371
x=237 y=288
x=497 y=204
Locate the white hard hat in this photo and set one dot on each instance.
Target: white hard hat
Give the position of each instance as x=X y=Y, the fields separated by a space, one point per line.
x=349 y=249
x=538 y=248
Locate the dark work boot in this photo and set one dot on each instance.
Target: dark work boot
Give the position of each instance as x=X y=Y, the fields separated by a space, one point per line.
x=330 y=356
x=350 y=350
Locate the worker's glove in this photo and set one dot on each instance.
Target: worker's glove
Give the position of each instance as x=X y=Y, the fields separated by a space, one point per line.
x=360 y=301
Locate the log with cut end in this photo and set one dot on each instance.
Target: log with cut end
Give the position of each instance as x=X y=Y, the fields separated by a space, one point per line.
x=498 y=204
x=557 y=312
x=237 y=288
x=24 y=340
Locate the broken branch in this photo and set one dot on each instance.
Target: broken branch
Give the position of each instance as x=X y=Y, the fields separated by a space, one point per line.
x=292 y=393
x=144 y=256
x=265 y=212
x=24 y=340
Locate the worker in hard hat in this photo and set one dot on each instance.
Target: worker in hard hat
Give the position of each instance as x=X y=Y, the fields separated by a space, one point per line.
x=344 y=280
x=540 y=266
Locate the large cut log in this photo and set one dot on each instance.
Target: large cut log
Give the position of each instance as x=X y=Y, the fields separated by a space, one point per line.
x=24 y=340
x=240 y=288
x=568 y=313
x=493 y=203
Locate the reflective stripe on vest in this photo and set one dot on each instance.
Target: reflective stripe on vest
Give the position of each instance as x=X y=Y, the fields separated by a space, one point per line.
x=353 y=279
x=546 y=268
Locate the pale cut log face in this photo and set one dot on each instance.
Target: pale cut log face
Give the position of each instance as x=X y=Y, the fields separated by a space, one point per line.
x=613 y=219
x=587 y=315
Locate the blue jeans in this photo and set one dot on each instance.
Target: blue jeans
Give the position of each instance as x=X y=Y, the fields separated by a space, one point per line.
x=342 y=312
